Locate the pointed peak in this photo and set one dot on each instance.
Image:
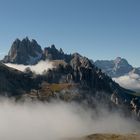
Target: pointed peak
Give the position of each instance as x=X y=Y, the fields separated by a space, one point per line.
x=76 y=54
x=53 y=46
x=17 y=40
x=25 y=39
x=34 y=41
x=118 y=59
x=61 y=51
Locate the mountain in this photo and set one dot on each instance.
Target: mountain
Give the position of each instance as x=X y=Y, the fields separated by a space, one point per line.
x=73 y=78
x=122 y=72
x=78 y=73
x=114 y=68
x=28 y=52
x=24 y=52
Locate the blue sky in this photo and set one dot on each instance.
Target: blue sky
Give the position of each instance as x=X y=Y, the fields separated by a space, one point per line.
x=98 y=29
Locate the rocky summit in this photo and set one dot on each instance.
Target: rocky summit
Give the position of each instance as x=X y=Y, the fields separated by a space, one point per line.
x=24 y=52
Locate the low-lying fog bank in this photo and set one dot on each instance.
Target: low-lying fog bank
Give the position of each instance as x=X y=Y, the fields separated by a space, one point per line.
x=57 y=120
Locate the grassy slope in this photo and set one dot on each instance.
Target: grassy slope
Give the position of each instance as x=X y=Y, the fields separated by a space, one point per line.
x=51 y=90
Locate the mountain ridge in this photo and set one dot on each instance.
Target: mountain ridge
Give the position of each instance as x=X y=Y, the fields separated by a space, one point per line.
x=76 y=78
x=115 y=68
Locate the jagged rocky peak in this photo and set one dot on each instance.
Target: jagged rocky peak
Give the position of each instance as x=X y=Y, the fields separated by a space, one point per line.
x=121 y=65
x=24 y=52
x=122 y=62
x=80 y=61
x=52 y=53
x=118 y=59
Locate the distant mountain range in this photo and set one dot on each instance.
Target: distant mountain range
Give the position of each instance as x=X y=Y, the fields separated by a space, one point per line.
x=116 y=68
x=121 y=71
x=72 y=77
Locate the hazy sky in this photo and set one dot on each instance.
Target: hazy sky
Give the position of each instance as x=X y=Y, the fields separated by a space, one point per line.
x=98 y=29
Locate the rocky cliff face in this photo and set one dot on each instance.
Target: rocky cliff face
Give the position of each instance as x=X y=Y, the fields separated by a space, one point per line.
x=24 y=52
x=51 y=53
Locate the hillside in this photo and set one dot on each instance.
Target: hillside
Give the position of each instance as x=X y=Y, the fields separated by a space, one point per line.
x=14 y=82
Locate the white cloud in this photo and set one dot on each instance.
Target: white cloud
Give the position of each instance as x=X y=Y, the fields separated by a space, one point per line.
x=57 y=120
x=131 y=81
x=38 y=68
